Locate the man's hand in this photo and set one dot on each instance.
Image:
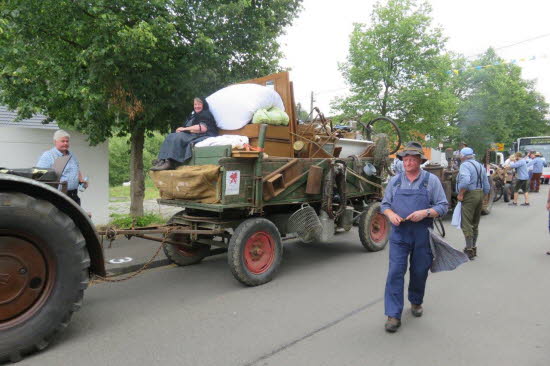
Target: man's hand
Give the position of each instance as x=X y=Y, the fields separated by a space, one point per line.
x=460 y=196
x=394 y=218
x=417 y=215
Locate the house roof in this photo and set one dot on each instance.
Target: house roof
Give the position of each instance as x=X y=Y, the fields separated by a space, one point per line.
x=8 y=117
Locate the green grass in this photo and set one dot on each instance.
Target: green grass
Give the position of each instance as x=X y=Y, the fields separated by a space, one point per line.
x=120 y=221
x=120 y=193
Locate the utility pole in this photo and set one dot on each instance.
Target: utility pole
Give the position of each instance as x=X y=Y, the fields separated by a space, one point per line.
x=311 y=102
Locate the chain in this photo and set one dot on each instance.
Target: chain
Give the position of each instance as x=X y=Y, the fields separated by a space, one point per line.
x=100 y=279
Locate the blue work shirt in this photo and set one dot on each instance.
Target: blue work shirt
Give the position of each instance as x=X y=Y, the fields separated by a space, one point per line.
x=538 y=164
x=69 y=175
x=438 y=200
x=521 y=169
x=469 y=179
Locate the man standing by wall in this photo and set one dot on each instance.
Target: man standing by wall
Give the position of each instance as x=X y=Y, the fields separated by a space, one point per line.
x=411 y=201
x=64 y=163
x=472 y=184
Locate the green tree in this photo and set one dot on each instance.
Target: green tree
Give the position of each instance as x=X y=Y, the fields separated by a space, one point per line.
x=497 y=105
x=109 y=67
x=396 y=67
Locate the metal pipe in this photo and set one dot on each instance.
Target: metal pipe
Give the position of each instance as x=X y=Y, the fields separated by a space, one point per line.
x=258 y=189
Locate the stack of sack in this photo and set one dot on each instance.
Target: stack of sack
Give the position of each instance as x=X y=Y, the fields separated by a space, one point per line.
x=235 y=106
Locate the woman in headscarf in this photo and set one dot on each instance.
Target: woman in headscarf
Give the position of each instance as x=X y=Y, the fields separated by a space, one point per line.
x=176 y=148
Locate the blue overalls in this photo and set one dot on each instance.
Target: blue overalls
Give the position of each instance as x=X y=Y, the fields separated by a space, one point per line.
x=408 y=238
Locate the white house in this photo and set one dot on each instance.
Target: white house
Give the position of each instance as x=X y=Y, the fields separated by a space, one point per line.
x=22 y=143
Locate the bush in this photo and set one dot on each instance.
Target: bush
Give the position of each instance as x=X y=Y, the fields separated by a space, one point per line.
x=119 y=157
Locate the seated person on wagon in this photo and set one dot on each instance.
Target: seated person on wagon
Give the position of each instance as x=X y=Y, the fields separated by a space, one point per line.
x=176 y=148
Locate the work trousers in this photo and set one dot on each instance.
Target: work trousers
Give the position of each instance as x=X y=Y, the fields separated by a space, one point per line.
x=534 y=185
x=471 y=212
x=410 y=239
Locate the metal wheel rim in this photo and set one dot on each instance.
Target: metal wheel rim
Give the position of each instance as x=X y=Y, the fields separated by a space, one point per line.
x=26 y=279
x=259 y=252
x=377 y=228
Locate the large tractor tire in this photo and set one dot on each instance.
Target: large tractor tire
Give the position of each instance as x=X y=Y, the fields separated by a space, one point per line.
x=184 y=256
x=44 y=270
x=489 y=200
x=374 y=228
x=255 y=251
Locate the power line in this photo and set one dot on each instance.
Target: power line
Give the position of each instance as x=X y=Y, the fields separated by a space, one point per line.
x=514 y=44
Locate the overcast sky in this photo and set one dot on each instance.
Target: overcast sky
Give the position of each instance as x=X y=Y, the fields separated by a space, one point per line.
x=319 y=39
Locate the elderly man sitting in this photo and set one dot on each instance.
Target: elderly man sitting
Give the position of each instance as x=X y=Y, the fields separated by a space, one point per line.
x=65 y=164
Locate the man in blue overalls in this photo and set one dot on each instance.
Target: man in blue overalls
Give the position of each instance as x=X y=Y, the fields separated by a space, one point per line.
x=411 y=201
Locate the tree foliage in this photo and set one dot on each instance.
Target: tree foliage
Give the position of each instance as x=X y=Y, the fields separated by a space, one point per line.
x=396 y=68
x=129 y=66
x=497 y=105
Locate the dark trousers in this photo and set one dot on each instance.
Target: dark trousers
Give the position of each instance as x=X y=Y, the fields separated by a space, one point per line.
x=471 y=212
x=74 y=195
x=534 y=185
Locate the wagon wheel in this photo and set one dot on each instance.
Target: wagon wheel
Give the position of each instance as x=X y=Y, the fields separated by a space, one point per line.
x=374 y=228
x=489 y=199
x=191 y=253
x=394 y=142
x=44 y=270
x=255 y=251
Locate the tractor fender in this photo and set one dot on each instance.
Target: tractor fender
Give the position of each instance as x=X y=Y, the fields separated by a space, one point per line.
x=39 y=190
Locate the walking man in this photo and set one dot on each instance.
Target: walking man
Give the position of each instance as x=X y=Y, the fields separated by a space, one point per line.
x=412 y=199
x=522 y=177
x=538 y=165
x=472 y=184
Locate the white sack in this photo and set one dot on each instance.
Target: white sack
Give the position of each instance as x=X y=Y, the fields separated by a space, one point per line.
x=457 y=215
x=234 y=106
x=235 y=141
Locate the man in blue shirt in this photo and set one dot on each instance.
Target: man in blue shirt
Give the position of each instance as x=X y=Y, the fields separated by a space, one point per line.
x=70 y=172
x=522 y=177
x=472 y=184
x=538 y=165
x=411 y=200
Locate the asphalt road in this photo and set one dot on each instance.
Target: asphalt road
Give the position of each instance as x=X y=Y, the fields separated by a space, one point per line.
x=325 y=307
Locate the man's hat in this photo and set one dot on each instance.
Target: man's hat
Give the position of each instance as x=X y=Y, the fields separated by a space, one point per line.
x=538 y=154
x=412 y=148
x=467 y=151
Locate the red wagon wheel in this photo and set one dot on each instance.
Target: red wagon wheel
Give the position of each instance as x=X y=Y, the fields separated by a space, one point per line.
x=374 y=228
x=255 y=251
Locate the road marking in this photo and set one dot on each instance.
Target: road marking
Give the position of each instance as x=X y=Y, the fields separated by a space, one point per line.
x=120 y=260
x=312 y=333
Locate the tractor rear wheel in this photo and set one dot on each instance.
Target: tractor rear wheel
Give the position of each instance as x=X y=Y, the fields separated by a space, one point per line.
x=44 y=270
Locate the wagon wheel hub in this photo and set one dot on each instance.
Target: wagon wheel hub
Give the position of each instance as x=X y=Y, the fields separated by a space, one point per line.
x=378 y=228
x=23 y=276
x=259 y=252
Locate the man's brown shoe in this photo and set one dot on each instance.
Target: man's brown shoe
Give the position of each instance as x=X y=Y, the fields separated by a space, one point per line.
x=416 y=310
x=392 y=324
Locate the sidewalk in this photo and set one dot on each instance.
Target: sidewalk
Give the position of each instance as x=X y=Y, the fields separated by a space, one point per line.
x=124 y=256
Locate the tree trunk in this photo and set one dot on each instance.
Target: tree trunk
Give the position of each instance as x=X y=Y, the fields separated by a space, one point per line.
x=137 y=188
